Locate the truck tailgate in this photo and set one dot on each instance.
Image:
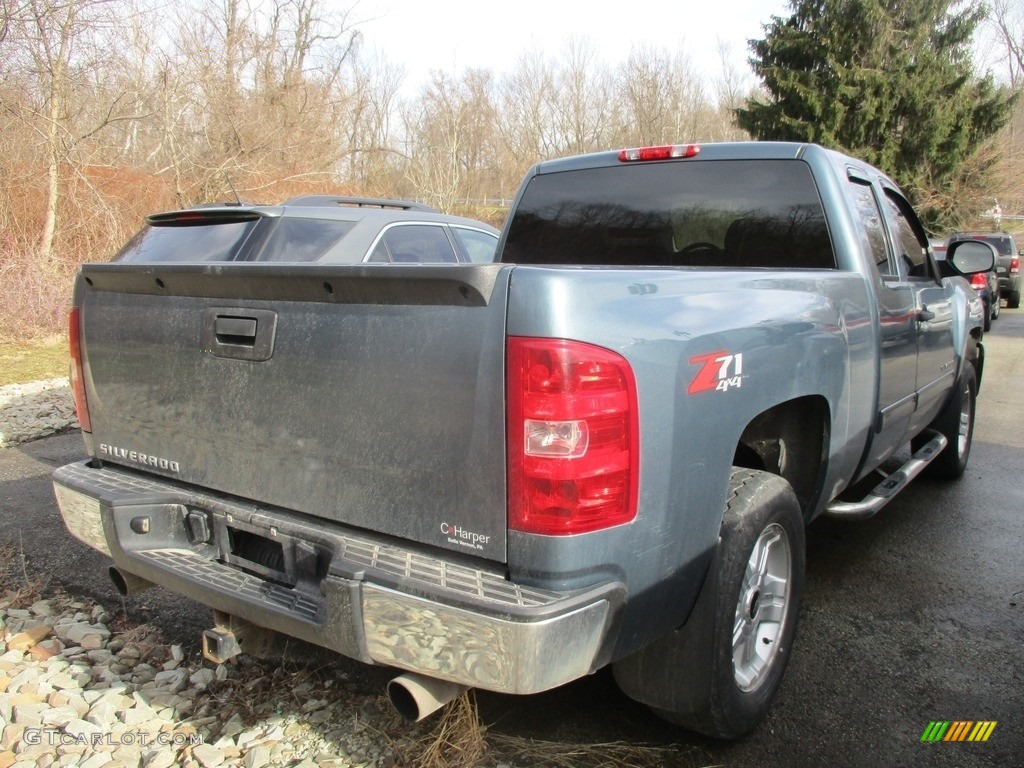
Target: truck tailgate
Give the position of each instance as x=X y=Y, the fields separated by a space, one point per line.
x=370 y=396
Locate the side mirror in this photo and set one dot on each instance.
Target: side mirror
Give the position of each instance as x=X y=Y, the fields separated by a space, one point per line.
x=970 y=256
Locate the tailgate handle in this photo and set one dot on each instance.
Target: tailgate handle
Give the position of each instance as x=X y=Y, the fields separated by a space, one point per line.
x=239 y=334
x=235 y=330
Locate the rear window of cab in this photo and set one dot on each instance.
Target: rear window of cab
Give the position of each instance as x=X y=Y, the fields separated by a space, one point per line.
x=739 y=213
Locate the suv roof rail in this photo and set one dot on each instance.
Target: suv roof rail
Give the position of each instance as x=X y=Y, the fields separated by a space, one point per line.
x=982 y=233
x=359 y=202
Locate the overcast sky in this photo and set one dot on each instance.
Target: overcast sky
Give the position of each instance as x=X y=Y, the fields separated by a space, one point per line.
x=452 y=35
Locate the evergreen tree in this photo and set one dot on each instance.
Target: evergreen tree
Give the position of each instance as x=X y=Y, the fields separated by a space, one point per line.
x=890 y=81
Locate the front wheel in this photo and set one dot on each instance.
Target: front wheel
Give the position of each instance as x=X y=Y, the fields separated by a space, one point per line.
x=956 y=424
x=759 y=579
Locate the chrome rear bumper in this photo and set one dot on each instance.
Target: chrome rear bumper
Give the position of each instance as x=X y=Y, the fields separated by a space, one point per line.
x=365 y=598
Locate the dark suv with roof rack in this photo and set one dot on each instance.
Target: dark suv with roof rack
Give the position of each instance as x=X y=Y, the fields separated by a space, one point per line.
x=1007 y=262
x=320 y=228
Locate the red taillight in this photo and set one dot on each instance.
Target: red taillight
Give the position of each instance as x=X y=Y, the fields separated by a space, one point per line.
x=669 y=152
x=573 y=439
x=979 y=281
x=1014 y=265
x=77 y=373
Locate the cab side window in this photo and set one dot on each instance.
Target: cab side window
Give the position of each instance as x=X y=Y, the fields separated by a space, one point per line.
x=871 y=220
x=909 y=239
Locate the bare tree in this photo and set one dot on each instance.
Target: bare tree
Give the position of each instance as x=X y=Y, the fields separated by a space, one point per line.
x=525 y=96
x=732 y=89
x=661 y=100
x=452 y=138
x=1006 y=20
x=1005 y=41
x=372 y=163
x=261 y=96
x=60 y=44
x=581 y=98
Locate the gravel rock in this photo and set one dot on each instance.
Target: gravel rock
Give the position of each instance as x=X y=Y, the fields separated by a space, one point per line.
x=36 y=409
x=72 y=708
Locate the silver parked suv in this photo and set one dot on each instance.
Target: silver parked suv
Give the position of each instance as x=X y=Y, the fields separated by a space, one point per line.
x=321 y=228
x=1007 y=263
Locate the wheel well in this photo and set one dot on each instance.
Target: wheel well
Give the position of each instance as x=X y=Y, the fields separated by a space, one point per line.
x=978 y=360
x=789 y=440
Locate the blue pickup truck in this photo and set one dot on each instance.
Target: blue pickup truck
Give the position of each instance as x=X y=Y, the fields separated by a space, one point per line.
x=601 y=449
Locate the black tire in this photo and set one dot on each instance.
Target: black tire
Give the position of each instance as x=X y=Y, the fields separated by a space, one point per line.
x=761 y=513
x=956 y=424
x=986 y=325
x=1013 y=300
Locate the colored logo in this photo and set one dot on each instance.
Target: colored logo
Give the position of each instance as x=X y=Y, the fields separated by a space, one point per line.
x=958 y=730
x=719 y=371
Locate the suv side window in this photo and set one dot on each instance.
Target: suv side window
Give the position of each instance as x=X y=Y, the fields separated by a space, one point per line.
x=301 y=239
x=871 y=219
x=414 y=244
x=480 y=246
x=909 y=238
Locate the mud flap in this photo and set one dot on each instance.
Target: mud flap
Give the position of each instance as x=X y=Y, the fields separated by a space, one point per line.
x=673 y=673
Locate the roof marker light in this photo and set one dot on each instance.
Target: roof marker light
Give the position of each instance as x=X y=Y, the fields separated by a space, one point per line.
x=667 y=152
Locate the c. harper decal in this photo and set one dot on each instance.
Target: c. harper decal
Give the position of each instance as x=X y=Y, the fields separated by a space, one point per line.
x=459 y=535
x=720 y=371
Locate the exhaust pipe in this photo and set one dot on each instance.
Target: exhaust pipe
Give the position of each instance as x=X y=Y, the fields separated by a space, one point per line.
x=128 y=584
x=416 y=696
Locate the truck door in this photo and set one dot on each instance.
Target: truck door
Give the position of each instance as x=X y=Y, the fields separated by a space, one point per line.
x=897 y=319
x=933 y=304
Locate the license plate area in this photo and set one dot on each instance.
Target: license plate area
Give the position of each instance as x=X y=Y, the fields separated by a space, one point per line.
x=266 y=553
x=258 y=555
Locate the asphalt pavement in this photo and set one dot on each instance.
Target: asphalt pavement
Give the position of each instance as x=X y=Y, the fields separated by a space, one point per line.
x=912 y=617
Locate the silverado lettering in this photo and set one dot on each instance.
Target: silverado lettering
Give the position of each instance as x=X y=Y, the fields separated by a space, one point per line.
x=114 y=452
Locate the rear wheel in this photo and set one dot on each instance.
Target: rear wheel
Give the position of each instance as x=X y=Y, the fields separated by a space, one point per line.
x=759 y=577
x=1013 y=299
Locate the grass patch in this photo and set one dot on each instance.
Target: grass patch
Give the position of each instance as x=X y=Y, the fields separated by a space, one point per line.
x=17 y=588
x=458 y=738
x=21 y=362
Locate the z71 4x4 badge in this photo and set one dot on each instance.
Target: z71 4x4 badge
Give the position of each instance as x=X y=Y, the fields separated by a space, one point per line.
x=719 y=371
